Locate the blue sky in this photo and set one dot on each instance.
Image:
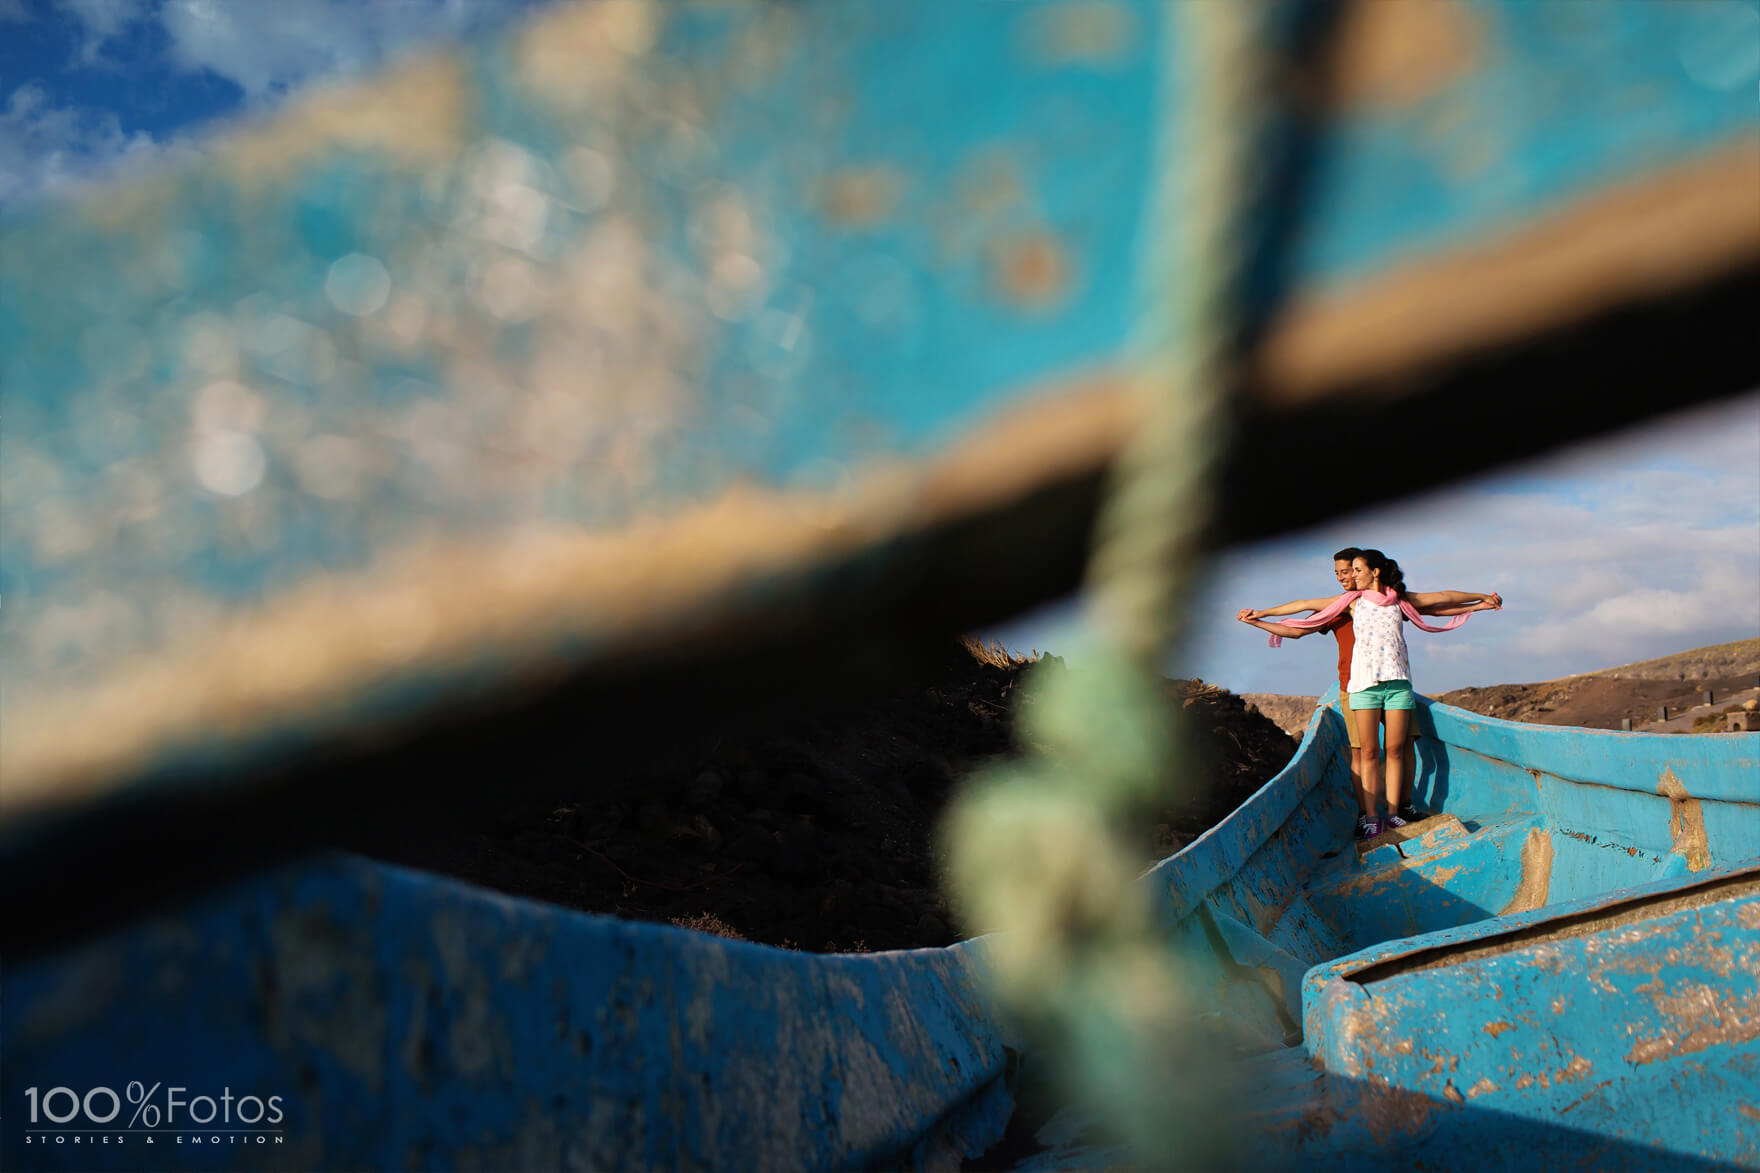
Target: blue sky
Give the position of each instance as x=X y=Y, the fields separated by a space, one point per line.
x=1631 y=547
x=1626 y=548
x=91 y=87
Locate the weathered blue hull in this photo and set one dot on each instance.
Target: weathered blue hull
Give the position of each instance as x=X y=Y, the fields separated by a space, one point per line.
x=645 y=336
x=1563 y=965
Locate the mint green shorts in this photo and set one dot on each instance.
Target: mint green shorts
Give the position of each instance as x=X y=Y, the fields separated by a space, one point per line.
x=1389 y=694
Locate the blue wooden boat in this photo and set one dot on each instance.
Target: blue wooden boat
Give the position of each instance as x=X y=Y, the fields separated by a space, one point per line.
x=1561 y=964
x=643 y=347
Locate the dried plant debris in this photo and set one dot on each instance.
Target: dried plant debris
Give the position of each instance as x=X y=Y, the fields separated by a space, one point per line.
x=817 y=834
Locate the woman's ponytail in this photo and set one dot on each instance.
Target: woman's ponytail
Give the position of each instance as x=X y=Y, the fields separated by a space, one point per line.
x=1394 y=578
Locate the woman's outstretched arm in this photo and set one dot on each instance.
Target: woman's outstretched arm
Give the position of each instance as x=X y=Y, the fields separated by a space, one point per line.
x=1432 y=602
x=1463 y=608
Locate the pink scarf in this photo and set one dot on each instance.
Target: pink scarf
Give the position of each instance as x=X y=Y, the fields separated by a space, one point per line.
x=1337 y=607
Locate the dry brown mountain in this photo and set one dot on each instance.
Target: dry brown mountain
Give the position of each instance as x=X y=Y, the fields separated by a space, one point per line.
x=1638 y=692
x=1595 y=700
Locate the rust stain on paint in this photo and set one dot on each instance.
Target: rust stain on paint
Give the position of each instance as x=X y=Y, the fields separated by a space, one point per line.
x=861 y=197
x=1033 y=270
x=1585 y=1097
x=1391 y=1112
x=1394 y=55
x=1686 y=822
x=1095 y=33
x=1703 y=1017
x=1576 y=1069
x=1536 y=880
x=1496 y=1028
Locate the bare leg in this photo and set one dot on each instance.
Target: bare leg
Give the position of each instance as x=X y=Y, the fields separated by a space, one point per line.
x=1364 y=795
x=1364 y=776
x=1399 y=724
x=1369 y=733
x=1354 y=755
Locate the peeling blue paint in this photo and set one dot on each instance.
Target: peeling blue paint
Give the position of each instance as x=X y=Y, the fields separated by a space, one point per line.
x=407 y=1021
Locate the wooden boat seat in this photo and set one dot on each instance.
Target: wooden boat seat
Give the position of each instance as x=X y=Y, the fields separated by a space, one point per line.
x=1427 y=834
x=1429 y=875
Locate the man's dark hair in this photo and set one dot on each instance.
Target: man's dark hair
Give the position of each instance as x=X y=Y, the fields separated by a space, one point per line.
x=1349 y=553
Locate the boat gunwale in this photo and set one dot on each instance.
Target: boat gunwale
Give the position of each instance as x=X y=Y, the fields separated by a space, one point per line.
x=1503 y=934
x=1183 y=875
x=1677 y=753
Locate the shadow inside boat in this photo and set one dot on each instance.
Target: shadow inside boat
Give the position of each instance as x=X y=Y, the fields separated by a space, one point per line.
x=1346 y=1123
x=1430 y=781
x=1309 y=1119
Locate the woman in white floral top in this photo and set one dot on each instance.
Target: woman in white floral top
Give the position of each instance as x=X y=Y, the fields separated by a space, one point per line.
x=1381 y=688
x=1380 y=684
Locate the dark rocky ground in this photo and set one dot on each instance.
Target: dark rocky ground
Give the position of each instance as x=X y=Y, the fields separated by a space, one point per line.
x=816 y=832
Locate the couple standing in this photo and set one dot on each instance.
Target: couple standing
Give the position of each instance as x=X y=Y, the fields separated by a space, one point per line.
x=1374 y=676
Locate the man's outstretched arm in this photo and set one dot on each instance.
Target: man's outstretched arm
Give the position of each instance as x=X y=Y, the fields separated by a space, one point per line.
x=1294 y=608
x=1283 y=629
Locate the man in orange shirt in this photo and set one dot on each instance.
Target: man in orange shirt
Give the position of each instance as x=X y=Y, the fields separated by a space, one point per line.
x=1346 y=636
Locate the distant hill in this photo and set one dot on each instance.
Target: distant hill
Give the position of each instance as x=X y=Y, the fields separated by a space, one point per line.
x=1289 y=713
x=1740 y=658
x=1595 y=700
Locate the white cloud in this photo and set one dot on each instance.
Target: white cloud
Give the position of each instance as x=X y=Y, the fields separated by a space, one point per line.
x=101 y=21
x=266 y=47
x=269 y=49
x=49 y=151
x=1631 y=621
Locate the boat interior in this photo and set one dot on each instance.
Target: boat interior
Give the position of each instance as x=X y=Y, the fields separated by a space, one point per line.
x=1541 y=943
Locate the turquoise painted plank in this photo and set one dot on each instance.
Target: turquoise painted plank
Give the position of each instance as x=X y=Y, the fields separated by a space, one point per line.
x=735 y=251
x=1633 y=1031
x=612 y=262
x=388 y=1019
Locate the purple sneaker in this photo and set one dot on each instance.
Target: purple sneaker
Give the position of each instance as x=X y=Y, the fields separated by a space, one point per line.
x=1368 y=826
x=1391 y=821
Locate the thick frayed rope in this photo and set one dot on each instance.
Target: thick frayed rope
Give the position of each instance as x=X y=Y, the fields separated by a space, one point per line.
x=1040 y=850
